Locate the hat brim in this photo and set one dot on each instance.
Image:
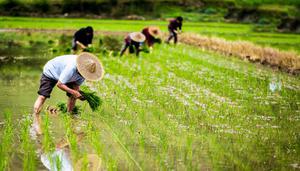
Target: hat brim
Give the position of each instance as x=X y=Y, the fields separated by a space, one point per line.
x=154 y=31
x=137 y=37
x=82 y=62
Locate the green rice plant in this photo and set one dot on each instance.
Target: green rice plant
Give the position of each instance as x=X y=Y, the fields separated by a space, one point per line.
x=47 y=142
x=28 y=148
x=185 y=108
x=71 y=137
x=62 y=106
x=6 y=141
x=90 y=96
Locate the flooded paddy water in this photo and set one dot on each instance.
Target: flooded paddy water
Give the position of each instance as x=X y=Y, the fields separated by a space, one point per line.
x=186 y=110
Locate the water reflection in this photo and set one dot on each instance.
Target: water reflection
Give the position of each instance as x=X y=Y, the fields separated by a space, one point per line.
x=57 y=160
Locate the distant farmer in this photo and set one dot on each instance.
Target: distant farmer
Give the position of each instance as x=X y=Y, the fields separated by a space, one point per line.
x=67 y=72
x=172 y=27
x=152 y=34
x=82 y=38
x=134 y=41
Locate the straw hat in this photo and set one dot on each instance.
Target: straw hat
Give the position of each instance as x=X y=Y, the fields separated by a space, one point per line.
x=154 y=31
x=93 y=163
x=137 y=36
x=89 y=66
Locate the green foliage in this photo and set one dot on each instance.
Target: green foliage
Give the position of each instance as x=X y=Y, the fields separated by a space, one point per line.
x=90 y=96
x=145 y=48
x=178 y=108
x=6 y=138
x=29 y=162
x=63 y=108
x=111 y=43
x=210 y=10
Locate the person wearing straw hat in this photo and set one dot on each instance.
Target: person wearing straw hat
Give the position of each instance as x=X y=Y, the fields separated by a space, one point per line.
x=152 y=35
x=134 y=41
x=67 y=72
x=172 y=27
x=82 y=38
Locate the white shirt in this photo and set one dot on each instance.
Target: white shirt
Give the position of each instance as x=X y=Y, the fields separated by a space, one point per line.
x=63 y=68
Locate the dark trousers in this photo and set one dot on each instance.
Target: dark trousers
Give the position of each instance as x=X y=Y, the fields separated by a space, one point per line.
x=172 y=34
x=132 y=49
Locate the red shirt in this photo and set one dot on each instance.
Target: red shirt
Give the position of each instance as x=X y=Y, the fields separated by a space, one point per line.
x=149 y=39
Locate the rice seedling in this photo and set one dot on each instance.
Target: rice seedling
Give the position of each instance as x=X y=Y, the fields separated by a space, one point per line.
x=180 y=108
x=90 y=96
x=71 y=137
x=62 y=106
x=7 y=135
x=47 y=142
x=27 y=145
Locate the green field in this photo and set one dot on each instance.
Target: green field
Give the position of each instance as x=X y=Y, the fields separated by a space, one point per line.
x=178 y=108
x=224 y=30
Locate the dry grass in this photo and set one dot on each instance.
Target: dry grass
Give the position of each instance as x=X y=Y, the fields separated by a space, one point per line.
x=287 y=61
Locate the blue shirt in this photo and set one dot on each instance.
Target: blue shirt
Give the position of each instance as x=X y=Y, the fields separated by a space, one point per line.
x=63 y=68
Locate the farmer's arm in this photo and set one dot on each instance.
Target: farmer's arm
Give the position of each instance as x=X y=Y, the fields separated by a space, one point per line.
x=179 y=26
x=80 y=44
x=65 y=77
x=65 y=88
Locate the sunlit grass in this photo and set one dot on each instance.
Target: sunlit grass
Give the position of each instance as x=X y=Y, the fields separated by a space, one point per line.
x=178 y=108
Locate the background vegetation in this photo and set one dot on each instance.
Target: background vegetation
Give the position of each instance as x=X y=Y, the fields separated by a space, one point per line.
x=282 y=14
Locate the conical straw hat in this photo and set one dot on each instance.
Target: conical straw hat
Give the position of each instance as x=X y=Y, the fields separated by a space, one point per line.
x=93 y=163
x=154 y=31
x=137 y=36
x=89 y=66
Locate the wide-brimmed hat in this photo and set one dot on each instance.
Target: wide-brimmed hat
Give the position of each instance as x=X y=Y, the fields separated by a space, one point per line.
x=137 y=36
x=89 y=66
x=93 y=163
x=154 y=31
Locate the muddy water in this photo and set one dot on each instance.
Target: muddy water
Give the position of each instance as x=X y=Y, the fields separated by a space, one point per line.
x=20 y=81
x=20 y=71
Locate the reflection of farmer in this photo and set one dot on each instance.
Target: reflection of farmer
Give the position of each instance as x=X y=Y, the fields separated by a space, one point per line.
x=133 y=41
x=82 y=38
x=172 y=27
x=152 y=35
x=68 y=72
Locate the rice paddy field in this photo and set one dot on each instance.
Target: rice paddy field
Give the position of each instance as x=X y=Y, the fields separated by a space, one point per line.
x=177 y=108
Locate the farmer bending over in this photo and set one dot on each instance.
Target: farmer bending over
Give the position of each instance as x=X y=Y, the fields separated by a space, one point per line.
x=172 y=27
x=134 y=41
x=67 y=72
x=152 y=36
x=82 y=38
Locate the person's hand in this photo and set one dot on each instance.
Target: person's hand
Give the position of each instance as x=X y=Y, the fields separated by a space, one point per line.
x=82 y=98
x=77 y=95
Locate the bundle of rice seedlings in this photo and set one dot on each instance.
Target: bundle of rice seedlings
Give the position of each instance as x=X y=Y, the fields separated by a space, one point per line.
x=90 y=96
x=63 y=108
